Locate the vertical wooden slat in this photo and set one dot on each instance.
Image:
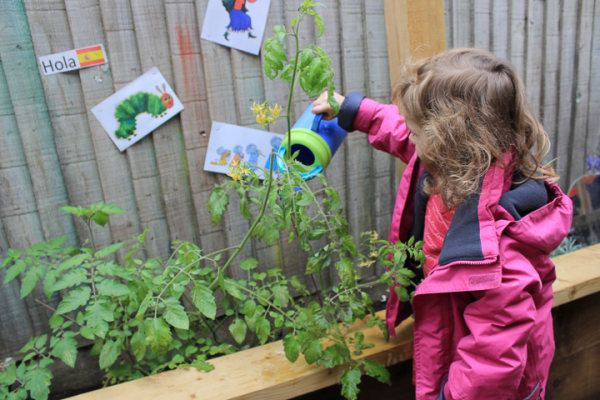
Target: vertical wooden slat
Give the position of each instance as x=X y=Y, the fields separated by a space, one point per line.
x=500 y=28
x=359 y=184
x=567 y=88
x=581 y=100
x=550 y=73
x=461 y=21
x=518 y=16
x=331 y=43
x=68 y=117
x=139 y=158
x=534 y=54
x=195 y=118
x=482 y=22
x=220 y=88
x=276 y=91
x=378 y=88
x=149 y=19
x=96 y=84
x=25 y=88
x=448 y=23
x=248 y=88
x=593 y=128
x=19 y=220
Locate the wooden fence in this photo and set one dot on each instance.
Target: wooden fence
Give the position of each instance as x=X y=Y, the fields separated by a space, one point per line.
x=53 y=151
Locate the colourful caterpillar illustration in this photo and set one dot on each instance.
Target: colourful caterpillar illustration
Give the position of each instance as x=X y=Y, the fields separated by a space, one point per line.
x=137 y=104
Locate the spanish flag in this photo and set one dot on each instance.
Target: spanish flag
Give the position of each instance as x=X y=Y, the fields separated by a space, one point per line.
x=90 y=56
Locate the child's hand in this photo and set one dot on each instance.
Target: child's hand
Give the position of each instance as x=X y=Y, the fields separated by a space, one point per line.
x=321 y=105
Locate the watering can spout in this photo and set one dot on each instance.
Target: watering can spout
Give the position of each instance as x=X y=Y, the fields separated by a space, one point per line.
x=314 y=140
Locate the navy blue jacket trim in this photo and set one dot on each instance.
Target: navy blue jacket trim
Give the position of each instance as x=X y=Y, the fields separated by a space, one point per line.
x=524 y=198
x=349 y=109
x=463 y=240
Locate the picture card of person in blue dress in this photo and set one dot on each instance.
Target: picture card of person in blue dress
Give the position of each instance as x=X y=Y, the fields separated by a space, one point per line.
x=231 y=146
x=138 y=109
x=239 y=24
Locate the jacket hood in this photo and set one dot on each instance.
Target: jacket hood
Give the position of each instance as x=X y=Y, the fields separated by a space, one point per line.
x=541 y=214
x=535 y=212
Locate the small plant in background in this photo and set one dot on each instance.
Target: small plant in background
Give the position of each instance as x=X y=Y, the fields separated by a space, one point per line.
x=147 y=315
x=593 y=164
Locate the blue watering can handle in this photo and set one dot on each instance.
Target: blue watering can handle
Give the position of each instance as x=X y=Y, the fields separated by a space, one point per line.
x=316 y=122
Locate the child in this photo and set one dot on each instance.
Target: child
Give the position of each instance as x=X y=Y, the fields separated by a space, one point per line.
x=489 y=215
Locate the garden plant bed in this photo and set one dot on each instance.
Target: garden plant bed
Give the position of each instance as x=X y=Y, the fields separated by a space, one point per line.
x=264 y=372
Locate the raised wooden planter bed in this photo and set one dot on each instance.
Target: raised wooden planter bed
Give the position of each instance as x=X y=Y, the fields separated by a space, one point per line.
x=264 y=373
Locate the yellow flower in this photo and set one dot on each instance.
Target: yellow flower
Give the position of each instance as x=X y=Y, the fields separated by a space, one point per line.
x=244 y=170
x=234 y=174
x=256 y=108
x=275 y=111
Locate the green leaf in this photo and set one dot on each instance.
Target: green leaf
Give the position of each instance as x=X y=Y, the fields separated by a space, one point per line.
x=97 y=316
x=312 y=351
x=345 y=269
x=217 y=204
x=14 y=271
x=138 y=345
x=299 y=286
x=233 y=289
x=334 y=355
x=9 y=375
x=350 y=380
x=111 y=287
x=204 y=300
x=108 y=250
x=75 y=299
x=158 y=335
x=238 y=330
x=249 y=264
x=109 y=353
x=202 y=365
x=37 y=382
x=101 y=218
x=109 y=208
x=74 y=261
x=248 y=308
x=281 y=295
x=263 y=329
x=291 y=347
x=66 y=350
x=176 y=315
x=30 y=279
x=72 y=278
x=377 y=371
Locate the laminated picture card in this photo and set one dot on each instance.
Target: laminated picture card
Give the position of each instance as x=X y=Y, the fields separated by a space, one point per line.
x=230 y=144
x=239 y=24
x=138 y=109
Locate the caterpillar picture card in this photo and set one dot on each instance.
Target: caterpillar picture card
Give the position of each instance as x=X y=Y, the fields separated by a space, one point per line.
x=137 y=109
x=231 y=143
x=239 y=24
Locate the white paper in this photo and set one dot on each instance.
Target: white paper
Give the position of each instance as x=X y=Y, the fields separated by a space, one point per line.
x=137 y=109
x=229 y=143
x=217 y=19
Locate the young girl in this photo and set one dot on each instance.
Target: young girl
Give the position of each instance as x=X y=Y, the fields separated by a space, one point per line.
x=475 y=192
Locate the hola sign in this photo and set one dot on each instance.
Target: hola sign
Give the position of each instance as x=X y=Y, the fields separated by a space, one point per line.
x=72 y=59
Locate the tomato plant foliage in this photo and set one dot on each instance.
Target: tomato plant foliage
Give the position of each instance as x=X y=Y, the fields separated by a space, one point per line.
x=146 y=314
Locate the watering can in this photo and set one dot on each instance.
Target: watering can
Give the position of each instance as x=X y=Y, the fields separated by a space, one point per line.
x=316 y=140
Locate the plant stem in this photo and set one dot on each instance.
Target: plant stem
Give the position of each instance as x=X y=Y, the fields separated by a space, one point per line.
x=41 y=303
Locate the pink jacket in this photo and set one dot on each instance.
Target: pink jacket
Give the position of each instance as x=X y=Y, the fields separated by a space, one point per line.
x=483 y=323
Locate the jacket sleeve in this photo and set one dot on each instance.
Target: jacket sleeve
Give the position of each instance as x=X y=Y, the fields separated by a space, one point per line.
x=490 y=361
x=382 y=122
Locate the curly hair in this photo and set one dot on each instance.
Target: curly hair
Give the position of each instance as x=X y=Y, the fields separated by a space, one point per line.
x=471 y=108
